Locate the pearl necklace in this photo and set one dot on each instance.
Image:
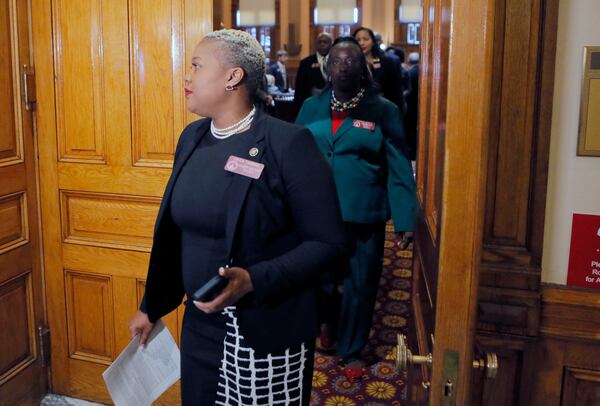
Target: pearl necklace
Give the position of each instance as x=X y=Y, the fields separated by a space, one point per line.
x=339 y=106
x=222 y=133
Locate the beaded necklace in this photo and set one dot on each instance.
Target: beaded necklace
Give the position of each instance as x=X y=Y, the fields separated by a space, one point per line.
x=222 y=133
x=337 y=105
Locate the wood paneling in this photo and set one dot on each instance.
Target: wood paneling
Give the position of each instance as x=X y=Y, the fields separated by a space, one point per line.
x=90 y=317
x=81 y=94
x=17 y=332
x=158 y=100
x=571 y=313
x=10 y=143
x=525 y=36
x=516 y=64
x=567 y=357
x=581 y=387
x=524 y=49
x=512 y=384
x=109 y=220
x=510 y=309
x=14 y=227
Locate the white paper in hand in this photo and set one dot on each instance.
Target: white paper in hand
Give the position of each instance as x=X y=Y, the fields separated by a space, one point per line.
x=140 y=375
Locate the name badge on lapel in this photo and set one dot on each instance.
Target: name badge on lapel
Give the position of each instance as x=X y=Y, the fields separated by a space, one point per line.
x=367 y=125
x=315 y=65
x=244 y=167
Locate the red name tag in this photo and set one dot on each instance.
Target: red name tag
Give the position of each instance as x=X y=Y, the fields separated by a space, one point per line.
x=244 y=167
x=367 y=125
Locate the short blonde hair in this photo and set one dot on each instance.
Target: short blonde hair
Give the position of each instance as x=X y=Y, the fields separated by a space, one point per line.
x=243 y=50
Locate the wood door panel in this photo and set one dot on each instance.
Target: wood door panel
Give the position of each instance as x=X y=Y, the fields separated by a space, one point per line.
x=117 y=262
x=122 y=179
x=23 y=378
x=9 y=145
x=581 y=387
x=90 y=317
x=80 y=77
x=14 y=226
x=158 y=116
x=512 y=168
x=17 y=334
x=109 y=220
x=517 y=150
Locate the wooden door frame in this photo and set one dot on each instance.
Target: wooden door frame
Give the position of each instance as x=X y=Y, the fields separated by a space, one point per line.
x=464 y=193
x=48 y=161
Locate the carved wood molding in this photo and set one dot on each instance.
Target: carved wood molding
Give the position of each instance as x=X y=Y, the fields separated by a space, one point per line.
x=572 y=313
x=512 y=311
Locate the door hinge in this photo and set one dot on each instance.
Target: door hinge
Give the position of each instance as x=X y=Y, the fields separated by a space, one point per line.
x=44 y=345
x=28 y=87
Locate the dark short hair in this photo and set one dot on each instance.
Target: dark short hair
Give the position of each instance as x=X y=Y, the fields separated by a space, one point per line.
x=399 y=52
x=346 y=39
x=366 y=78
x=376 y=51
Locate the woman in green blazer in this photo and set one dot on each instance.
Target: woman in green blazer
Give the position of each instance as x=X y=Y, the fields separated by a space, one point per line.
x=361 y=135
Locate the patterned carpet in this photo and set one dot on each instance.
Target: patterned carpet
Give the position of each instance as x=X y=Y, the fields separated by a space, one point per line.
x=381 y=385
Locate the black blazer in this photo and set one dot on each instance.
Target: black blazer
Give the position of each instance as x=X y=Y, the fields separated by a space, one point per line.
x=389 y=80
x=285 y=228
x=309 y=76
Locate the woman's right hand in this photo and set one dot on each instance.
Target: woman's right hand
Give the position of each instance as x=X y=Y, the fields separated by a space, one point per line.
x=140 y=324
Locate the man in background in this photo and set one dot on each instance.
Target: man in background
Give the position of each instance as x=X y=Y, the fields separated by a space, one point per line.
x=312 y=74
x=279 y=71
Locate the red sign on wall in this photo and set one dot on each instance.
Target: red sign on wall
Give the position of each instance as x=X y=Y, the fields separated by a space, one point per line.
x=584 y=257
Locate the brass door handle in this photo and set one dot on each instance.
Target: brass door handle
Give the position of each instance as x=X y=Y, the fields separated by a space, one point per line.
x=404 y=356
x=28 y=89
x=489 y=365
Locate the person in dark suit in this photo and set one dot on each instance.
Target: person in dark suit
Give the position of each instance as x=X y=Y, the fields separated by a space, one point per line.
x=311 y=78
x=252 y=199
x=412 y=105
x=279 y=71
x=362 y=136
x=382 y=67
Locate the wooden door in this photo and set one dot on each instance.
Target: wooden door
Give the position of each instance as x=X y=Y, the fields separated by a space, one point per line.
x=455 y=87
x=23 y=379
x=111 y=108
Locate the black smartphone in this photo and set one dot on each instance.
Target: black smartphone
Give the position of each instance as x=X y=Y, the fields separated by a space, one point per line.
x=210 y=289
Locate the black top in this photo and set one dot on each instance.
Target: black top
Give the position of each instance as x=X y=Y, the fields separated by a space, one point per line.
x=284 y=228
x=308 y=78
x=198 y=207
x=389 y=80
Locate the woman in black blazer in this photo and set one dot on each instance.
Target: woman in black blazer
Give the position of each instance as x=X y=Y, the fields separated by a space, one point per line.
x=253 y=198
x=385 y=74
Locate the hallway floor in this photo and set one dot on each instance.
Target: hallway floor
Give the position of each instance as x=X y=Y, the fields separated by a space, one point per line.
x=58 y=400
x=381 y=385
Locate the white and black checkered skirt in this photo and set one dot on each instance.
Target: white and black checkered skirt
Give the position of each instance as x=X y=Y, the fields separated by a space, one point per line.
x=218 y=368
x=245 y=379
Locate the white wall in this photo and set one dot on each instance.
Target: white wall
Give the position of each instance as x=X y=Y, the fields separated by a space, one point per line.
x=573 y=181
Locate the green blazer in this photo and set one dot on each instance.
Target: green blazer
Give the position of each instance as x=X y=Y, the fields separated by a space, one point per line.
x=373 y=177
